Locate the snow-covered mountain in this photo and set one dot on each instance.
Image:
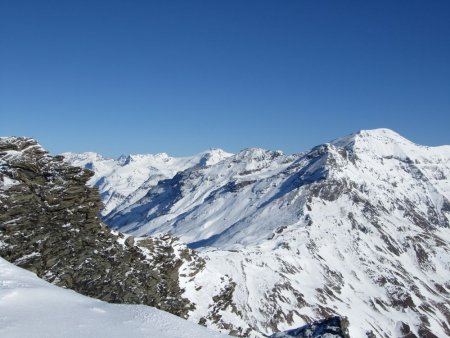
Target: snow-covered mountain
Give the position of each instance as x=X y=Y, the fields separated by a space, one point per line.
x=31 y=307
x=247 y=197
x=125 y=180
x=357 y=227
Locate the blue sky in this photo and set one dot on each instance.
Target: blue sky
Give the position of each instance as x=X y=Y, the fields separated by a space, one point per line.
x=184 y=76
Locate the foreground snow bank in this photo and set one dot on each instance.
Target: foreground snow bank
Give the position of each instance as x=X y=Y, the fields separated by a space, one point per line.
x=31 y=307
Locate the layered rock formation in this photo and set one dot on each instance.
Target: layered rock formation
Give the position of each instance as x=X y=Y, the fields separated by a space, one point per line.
x=49 y=225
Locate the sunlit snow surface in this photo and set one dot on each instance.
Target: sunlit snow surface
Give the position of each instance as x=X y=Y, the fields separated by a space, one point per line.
x=31 y=307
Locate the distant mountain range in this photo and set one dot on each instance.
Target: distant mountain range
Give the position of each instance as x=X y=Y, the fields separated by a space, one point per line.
x=125 y=180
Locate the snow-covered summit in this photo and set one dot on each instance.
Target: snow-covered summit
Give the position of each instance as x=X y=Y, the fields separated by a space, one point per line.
x=88 y=156
x=386 y=142
x=213 y=156
x=383 y=134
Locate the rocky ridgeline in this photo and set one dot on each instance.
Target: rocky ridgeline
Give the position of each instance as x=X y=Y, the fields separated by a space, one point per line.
x=49 y=225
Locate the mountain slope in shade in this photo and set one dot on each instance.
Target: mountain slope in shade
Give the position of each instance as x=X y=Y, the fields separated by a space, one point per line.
x=31 y=307
x=126 y=179
x=357 y=227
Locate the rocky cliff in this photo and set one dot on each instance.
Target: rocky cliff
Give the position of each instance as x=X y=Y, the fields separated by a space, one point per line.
x=49 y=225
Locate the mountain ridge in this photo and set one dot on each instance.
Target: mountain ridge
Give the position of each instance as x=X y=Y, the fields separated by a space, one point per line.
x=359 y=222
x=258 y=166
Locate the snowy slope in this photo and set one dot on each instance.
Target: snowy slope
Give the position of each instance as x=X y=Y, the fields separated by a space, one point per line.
x=204 y=203
x=357 y=227
x=31 y=307
x=126 y=179
x=248 y=196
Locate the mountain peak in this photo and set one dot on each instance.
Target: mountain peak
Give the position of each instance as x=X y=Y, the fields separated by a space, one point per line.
x=213 y=156
x=258 y=154
x=380 y=134
x=381 y=143
x=127 y=159
x=85 y=155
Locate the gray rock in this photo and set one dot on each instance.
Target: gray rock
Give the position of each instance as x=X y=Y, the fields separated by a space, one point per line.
x=333 y=327
x=49 y=225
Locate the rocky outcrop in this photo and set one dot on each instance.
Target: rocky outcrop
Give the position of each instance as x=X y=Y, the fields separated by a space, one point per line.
x=333 y=327
x=49 y=225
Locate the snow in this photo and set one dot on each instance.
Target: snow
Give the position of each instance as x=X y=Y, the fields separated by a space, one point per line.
x=270 y=194
x=333 y=230
x=125 y=180
x=7 y=183
x=206 y=200
x=31 y=307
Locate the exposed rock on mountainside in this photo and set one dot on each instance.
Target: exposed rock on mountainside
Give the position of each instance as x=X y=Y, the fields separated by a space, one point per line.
x=356 y=227
x=49 y=225
x=334 y=327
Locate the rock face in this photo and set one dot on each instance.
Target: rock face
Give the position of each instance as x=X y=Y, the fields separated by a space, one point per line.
x=334 y=327
x=49 y=225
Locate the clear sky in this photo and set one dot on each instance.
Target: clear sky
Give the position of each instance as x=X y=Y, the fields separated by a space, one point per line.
x=184 y=76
